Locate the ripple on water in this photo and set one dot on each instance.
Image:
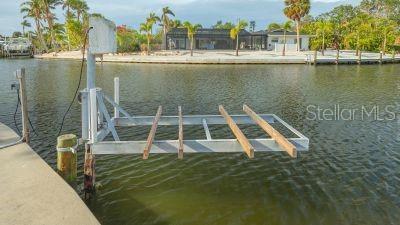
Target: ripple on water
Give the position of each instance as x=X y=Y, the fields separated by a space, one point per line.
x=351 y=175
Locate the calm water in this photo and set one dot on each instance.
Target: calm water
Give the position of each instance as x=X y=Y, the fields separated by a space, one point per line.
x=351 y=175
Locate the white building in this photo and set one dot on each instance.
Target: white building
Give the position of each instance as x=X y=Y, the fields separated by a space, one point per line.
x=276 y=39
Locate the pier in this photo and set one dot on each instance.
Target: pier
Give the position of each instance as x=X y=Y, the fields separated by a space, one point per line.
x=31 y=192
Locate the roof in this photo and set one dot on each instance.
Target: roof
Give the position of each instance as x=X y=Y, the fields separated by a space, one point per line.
x=206 y=31
x=281 y=32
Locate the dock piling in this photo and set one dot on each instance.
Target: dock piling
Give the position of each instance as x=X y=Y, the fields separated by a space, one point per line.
x=359 y=57
x=67 y=157
x=20 y=74
x=315 y=57
x=380 y=57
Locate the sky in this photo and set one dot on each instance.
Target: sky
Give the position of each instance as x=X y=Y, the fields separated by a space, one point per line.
x=205 y=12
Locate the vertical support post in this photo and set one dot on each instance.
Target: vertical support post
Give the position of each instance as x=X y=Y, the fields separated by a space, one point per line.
x=380 y=57
x=85 y=114
x=393 y=56
x=91 y=71
x=359 y=57
x=337 y=56
x=89 y=172
x=67 y=157
x=315 y=57
x=93 y=115
x=20 y=74
x=116 y=96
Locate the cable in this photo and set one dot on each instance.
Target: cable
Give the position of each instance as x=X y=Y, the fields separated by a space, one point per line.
x=15 y=114
x=79 y=83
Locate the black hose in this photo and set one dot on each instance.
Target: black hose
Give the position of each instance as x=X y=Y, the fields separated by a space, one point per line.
x=79 y=83
x=15 y=114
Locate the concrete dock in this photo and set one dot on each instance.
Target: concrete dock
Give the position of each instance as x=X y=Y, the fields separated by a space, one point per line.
x=31 y=192
x=228 y=57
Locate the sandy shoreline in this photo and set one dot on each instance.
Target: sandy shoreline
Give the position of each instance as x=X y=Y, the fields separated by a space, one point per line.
x=226 y=57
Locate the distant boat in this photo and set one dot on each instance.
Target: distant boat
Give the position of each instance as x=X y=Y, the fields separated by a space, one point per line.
x=14 y=47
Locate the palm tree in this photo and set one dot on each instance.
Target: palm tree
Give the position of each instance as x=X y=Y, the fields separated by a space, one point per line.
x=48 y=6
x=234 y=33
x=152 y=19
x=176 y=23
x=166 y=22
x=147 y=27
x=286 y=26
x=295 y=10
x=81 y=7
x=24 y=24
x=323 y=29
x=68 y=5
x=191 y=31
x=33 y=9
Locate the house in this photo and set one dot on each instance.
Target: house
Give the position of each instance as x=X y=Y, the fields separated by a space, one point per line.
x=276 y=39
x=219 y=39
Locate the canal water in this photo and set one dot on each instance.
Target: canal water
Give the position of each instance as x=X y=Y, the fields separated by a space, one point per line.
x=351 y=175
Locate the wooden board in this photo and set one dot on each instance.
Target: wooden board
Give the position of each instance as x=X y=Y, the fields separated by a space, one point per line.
x=243 y=141
x=278 y=137
x=180 y=149
x=152 y=133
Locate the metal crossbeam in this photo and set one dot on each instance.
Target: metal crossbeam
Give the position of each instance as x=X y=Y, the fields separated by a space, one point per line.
x=193 y=146
x=187 y=120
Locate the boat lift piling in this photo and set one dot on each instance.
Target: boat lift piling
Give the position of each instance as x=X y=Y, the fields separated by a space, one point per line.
x=98 y=123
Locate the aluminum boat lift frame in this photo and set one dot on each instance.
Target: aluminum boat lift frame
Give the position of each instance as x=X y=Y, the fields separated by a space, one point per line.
x=97 y=122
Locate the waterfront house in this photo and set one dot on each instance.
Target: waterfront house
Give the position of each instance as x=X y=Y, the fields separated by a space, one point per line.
x=219 y=39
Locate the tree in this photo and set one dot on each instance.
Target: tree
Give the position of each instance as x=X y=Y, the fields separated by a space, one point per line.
x=81 y=8
x=68 y=5
x=388 y=28
x=220 y=25
x=323 y=29
x=296 y=10
x=286 y=26
x=33 y=9
x=147 y=28
x=24 y=24
x=166 y=22
x=191 y=31
x=48 y=6
x=176 y=24
x=152 y=19
x=234 y=33
x=16 y=34
x=273 y=26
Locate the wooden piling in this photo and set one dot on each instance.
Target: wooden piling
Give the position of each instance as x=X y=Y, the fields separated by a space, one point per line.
x=337 y=57
x=393 y=56
x=359 y=57
x=380 y=57
x=315 y=57
x=67 y=157
x=89 y=172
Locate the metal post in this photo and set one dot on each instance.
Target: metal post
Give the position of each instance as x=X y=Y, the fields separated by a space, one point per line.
x=20 y=74
x=93 y=115
x=91 y=71
x=90 y=83
x=85 y=114
x=315 y=57
x=116 y=96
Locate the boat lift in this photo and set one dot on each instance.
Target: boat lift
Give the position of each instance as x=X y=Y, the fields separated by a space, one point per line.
x=98 y=123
